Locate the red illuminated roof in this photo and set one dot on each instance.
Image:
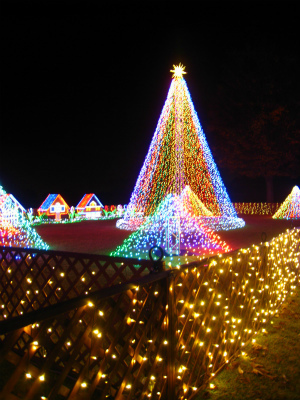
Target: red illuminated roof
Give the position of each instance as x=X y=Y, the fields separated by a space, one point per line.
x=87 y=199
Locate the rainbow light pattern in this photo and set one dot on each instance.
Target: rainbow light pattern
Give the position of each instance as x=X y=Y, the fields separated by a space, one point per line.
x=19 y=233
x=10 y=209
x=21 y=236
x=196 y=239
x=179 y=156
x=290 y=208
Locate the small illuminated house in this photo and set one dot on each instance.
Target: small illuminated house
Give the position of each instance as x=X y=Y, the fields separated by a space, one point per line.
x=90 y=206
x=54 y=206
x=11 y=211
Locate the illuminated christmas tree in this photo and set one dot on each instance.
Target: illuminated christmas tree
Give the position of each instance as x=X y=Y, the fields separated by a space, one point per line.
x=175 y=228
x=179 y=157
x=290 y=208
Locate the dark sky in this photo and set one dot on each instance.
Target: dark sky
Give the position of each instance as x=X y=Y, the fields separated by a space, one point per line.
x=83 y=85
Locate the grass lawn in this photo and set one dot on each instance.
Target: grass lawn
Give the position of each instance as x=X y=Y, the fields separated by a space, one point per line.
x=269 y=369
x=94 y=237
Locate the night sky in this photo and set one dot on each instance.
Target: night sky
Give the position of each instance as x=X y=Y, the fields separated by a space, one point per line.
x=83 y=85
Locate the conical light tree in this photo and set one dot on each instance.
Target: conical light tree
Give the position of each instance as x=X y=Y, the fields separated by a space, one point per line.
x=179 y=156
x=175 y=228
x=193 y=204
x=290 y=208
x=16 y=230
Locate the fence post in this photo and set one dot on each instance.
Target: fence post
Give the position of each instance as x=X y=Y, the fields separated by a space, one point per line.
x=171 y=338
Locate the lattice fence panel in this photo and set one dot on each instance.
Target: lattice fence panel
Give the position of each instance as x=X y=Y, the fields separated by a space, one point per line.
x=32 y=279
x=221 y=305
x=119 y=347
x=114 y=348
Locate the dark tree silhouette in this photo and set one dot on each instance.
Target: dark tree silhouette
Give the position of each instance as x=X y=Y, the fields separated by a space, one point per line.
x=256 y=117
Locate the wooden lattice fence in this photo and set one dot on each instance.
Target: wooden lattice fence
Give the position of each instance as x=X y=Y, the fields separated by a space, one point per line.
x=31 y=279
x=160 y=336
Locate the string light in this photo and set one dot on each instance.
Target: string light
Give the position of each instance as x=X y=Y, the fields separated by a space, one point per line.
x=15 y=230
x=256 y=208
x=90 y=206
x=54 y=205
x=218 y=309
x=179 y=157
x=290 y=208
x=195 y=237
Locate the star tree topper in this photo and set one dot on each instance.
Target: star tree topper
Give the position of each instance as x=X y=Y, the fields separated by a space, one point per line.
x=178 y=71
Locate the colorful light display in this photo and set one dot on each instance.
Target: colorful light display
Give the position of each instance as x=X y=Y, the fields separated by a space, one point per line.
x=90 y=206
x=256 y=208
x=290 y=208
x=21 y=236
x=54 y=205
x=15 y=230
x=11 y=211
x=217 y=308
x=179 y=156
x=176 y=226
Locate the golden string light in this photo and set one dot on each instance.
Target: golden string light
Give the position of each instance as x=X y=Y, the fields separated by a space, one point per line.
x=219 y=308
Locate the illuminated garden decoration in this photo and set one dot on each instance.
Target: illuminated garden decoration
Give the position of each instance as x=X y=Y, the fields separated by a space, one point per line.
x=15 y=229
x=179 y=156
x=11 y=211
x=176 y=227
x=90 y=206
x=290 y=208
x=54 y=206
